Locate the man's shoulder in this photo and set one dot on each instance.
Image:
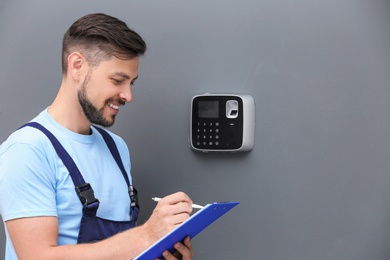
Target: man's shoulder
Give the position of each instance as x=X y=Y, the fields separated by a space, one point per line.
x=23 y=140
x=26 y=135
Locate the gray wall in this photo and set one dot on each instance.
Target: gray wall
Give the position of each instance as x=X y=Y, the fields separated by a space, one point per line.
x=316 y=185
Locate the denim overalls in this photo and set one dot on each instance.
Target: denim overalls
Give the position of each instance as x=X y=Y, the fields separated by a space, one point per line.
x=93 y=228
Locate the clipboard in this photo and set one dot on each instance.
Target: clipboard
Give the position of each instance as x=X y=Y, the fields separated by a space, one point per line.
x=191 y=227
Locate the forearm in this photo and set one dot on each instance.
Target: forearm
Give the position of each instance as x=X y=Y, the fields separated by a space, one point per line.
x=36 y=237
x=125 y=245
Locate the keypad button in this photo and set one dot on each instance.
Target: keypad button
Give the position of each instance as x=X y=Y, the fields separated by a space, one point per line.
x=207 y=134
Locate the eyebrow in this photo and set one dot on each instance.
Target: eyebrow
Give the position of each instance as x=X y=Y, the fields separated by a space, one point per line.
x=124 y=75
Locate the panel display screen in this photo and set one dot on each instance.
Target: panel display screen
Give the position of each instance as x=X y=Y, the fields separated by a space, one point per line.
x=208 y=109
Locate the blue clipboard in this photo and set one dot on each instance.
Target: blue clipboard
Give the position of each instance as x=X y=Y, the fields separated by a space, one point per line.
x=191 y=227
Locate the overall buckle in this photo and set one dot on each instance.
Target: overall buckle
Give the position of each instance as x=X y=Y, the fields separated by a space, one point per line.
x=86 y=195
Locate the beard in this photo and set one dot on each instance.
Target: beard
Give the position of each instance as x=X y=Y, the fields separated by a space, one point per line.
x=94 y=115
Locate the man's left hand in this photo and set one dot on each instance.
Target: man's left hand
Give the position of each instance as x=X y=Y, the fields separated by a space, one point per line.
x=184 y=251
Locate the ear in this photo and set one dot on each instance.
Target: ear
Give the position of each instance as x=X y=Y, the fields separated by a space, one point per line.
x=76 y=65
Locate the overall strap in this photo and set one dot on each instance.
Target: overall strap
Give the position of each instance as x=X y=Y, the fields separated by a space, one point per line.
x=115 y=153
x=83 y=189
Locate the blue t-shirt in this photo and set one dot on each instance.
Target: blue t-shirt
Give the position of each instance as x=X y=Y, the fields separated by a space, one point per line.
x=34 y=181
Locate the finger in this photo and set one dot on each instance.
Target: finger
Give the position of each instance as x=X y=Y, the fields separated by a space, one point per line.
x=185 y=249
x=175 y=204
x=180 y=218
x=182 y=207
x=187 y=242
x=168 y=256
x=178 y=197
x=166 y=207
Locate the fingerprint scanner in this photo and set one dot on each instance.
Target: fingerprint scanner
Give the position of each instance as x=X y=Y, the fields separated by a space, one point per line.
x=232 y=109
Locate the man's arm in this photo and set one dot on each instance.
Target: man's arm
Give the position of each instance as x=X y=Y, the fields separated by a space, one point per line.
x=36 y=237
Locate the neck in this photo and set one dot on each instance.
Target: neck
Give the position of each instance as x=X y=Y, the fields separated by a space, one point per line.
x=66 y=111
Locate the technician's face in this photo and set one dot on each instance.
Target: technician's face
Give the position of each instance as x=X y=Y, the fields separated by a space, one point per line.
x=106 y=88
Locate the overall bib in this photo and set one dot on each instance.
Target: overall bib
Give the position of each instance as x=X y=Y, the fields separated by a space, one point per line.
x=93 y=228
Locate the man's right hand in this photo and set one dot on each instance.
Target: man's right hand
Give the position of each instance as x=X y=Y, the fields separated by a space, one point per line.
x=170 y=212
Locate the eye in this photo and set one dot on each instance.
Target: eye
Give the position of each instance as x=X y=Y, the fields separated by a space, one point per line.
x=117 y=81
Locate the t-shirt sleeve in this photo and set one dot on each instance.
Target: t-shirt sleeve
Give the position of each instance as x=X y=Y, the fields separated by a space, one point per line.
x=27 y=183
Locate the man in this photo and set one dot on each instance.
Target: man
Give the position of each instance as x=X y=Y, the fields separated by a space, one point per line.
x=66 y=190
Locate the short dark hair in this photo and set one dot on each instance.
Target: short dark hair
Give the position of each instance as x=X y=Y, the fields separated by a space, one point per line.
x=99 y=37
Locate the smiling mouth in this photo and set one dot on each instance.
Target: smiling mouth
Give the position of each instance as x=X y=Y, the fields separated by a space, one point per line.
x=116 y=107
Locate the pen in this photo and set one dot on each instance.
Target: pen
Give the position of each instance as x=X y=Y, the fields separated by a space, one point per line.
x=195 y=206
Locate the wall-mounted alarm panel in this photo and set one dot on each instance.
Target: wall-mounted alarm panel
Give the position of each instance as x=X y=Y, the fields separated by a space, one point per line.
x=222 y=123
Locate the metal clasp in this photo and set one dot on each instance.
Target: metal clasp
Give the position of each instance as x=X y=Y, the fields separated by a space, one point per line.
x=133 y=196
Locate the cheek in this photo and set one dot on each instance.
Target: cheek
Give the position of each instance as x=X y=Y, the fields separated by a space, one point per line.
x=97 y=92
x=100 y=91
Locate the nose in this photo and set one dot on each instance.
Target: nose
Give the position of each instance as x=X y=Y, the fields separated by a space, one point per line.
x=126 y=94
